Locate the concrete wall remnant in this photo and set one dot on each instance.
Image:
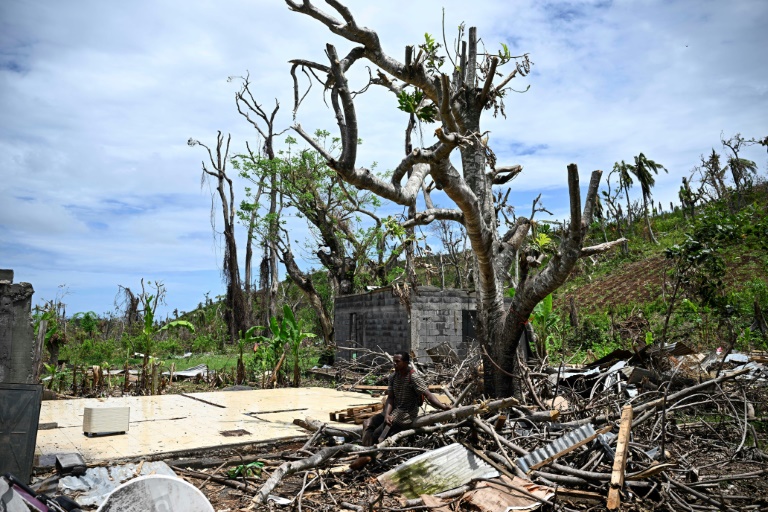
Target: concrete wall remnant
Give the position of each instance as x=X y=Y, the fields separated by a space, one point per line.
x=377 y=321
x=17 y=334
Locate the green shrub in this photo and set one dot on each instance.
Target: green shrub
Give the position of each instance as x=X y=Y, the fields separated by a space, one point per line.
x=170 y=346
x=204 y=343
x=750 y=340
x=592 y=335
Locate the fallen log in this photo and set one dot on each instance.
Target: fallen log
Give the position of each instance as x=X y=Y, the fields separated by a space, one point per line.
x=460 y=413
x=313 y=425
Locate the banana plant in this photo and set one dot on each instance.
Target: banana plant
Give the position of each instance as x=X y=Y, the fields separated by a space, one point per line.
x=546 y=322
x=147 y=337
x=246 y=339
x=286 y=333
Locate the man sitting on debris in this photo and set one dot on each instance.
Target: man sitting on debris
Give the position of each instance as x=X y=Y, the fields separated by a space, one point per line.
x=404 y=396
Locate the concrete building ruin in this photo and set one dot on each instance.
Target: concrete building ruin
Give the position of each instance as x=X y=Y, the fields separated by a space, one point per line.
x=378 y=320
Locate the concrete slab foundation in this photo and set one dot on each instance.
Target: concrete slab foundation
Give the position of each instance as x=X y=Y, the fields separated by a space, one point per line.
x=170 y=424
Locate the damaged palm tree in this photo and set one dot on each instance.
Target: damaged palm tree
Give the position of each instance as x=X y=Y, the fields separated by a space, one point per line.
x=455 y=101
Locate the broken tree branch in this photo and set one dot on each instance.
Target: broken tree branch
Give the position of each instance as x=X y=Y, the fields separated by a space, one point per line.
x=419 y=424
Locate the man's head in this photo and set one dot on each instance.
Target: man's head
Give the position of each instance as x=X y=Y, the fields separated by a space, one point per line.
x=401 y=360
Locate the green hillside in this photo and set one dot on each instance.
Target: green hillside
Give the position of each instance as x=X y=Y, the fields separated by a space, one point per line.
x=704 y=284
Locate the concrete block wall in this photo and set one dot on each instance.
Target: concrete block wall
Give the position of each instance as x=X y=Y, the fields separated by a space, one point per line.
x=380 y=322
x=440 y=319
x=17 y=340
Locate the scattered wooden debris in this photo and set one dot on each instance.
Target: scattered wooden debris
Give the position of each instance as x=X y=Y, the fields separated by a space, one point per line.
x=356 y=415
x=640 y=433
x=620 y=460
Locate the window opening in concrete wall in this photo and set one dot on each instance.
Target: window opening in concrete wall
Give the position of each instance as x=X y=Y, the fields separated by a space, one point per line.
x=468 y=318
x=360 y=335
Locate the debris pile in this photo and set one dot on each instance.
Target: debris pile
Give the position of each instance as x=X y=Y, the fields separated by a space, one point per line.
x=659 y=428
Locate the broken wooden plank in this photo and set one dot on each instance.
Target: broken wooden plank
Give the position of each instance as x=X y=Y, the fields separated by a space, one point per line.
x=620 y=461
x=349 y=433
x=578 y=496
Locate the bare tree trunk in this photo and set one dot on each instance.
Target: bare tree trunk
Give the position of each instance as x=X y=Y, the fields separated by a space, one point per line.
x=248 y=266
x=573 y=314
x=442 y=273
x=264 y=287
x=532 y=289
x=410 y=233
x=304 y=282
x=648 y=222
x=274 y=282
x=629 y=210
x=237 y=313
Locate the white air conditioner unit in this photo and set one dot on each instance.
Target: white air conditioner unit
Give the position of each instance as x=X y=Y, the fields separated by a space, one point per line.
x=106 y=420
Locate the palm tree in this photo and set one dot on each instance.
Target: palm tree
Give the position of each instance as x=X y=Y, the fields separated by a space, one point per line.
x=642 y=170
x=625 y=182
x=742 y=169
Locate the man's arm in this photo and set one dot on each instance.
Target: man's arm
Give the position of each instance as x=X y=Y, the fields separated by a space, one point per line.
x=389 y=406
x=435 y=402
x=420 y=386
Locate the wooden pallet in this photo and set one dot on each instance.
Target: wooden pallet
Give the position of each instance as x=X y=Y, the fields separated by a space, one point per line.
x=356 y=415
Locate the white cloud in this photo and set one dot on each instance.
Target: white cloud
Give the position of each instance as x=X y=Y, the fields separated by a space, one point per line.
x=98 y=99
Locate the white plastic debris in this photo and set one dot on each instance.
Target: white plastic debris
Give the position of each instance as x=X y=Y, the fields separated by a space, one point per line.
x=94 y=486
x=156 y=493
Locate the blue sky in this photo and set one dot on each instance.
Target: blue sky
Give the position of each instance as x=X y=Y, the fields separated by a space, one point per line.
x=98 y=98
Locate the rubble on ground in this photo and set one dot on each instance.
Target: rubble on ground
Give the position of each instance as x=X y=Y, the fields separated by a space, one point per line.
x=662 y=428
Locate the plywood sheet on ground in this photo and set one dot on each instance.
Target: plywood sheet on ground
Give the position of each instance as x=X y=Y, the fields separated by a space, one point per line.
x=177 y=423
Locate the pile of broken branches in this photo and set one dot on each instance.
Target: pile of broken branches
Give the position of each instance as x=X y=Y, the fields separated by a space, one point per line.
x=594 y=438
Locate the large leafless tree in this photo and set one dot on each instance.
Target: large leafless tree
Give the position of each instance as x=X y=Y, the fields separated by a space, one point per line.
x=457 y=102
x=238 y=314
x=301 y=182
x=263 y=121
